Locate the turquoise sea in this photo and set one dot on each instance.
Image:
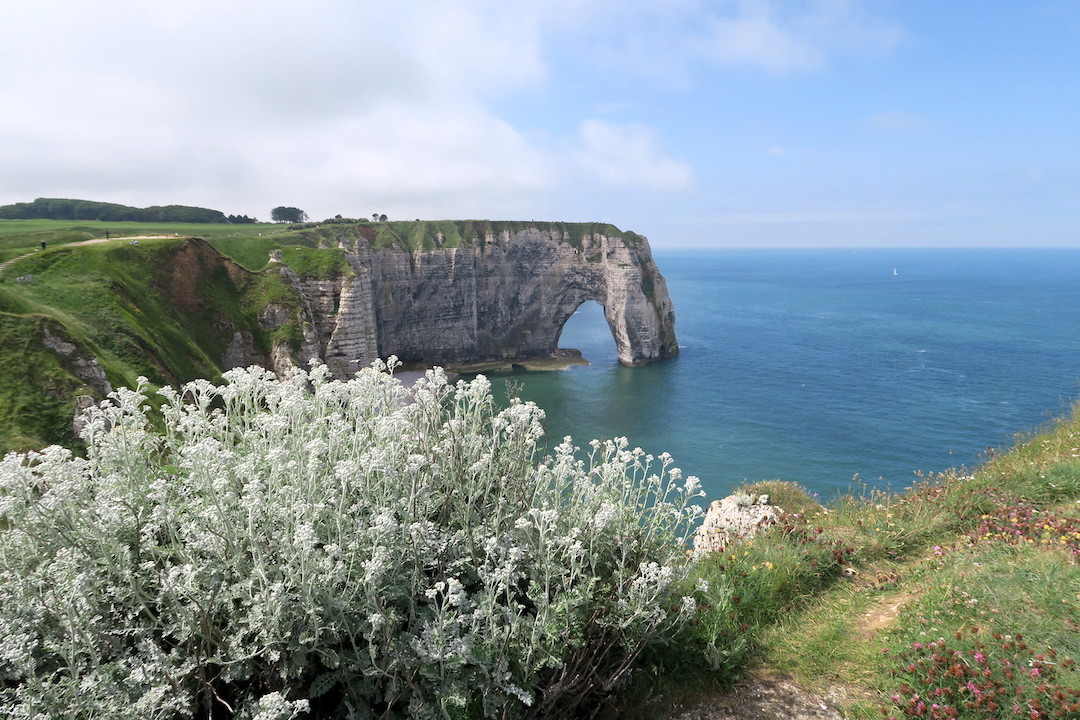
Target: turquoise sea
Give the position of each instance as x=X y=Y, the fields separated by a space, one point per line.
x=817 y=365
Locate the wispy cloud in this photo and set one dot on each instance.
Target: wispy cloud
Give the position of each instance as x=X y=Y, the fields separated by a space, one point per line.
x=779 y=38
x=629 y=156
x=355 y=105
x=755 y=36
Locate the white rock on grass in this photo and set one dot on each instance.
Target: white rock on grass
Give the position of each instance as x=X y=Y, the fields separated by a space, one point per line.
x=736 y=517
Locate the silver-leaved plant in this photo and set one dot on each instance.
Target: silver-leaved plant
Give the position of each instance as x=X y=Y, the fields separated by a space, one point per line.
x=303 y=548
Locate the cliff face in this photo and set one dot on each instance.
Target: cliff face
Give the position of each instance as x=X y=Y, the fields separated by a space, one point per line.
x=499 y=294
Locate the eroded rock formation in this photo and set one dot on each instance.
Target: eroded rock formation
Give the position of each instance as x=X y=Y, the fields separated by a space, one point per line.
x=499 y=294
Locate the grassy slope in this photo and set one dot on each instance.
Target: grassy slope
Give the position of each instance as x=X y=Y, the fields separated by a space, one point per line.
x=37 y=386
x=165 y=309
x=18 y=237
x=964 y=578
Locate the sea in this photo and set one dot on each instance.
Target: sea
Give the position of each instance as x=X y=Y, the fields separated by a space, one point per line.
x=837 y=369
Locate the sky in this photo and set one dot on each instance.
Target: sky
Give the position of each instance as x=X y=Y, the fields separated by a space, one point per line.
x=722 y=123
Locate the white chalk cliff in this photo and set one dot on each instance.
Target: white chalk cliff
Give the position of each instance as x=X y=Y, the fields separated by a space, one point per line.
x=501 y=293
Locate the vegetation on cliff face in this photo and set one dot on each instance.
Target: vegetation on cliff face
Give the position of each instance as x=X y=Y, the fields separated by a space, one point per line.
x=166 y=309
x=316 y=263
x=38 y=387
x=156 y=309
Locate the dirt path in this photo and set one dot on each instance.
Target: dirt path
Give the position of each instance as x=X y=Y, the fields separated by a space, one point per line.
x=93 y=241
x=764 y=694
x=761 y=696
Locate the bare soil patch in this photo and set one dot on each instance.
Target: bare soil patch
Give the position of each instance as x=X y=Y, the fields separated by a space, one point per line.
x=760 y=696
x=885 y=612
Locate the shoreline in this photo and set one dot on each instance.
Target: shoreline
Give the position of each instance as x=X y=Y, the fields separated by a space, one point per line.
x=561 y=359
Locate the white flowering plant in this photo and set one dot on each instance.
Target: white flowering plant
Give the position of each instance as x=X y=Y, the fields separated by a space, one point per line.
x=305 y=548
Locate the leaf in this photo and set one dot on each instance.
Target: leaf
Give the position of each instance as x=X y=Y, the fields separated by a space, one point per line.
x=322 y=683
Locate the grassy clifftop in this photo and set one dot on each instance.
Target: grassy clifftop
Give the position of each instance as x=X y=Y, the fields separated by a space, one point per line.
x=437 y=234
x=250 y=244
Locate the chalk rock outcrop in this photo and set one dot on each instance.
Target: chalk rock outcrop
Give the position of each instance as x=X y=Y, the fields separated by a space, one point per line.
x=501 y=293
x=736 y=517
x=83 y=365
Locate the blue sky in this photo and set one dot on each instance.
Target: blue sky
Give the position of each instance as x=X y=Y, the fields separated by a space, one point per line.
x=723 y=123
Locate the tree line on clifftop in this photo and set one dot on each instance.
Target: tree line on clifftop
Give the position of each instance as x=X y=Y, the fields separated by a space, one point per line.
x=64 y=209
x=67 y=209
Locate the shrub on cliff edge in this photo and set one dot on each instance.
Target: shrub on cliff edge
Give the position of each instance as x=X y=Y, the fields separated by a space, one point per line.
x=309 y=548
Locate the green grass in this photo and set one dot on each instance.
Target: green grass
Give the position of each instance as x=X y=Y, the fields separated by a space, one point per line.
x=165 y=309
x=320 y=263
x=18 y=237
x=251 y=252
x=37 y=388
x=965 y=560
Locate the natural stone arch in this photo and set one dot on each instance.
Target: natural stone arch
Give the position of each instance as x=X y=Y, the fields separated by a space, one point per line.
x=497 y=296
x=588 y=307
x=552 y=278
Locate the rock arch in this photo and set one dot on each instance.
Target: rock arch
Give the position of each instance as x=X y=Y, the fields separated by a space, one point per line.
x=499 y=295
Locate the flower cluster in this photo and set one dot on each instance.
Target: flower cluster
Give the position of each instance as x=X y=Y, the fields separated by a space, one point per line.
x=305 y=547
x=1020 y=522
x=966 y=677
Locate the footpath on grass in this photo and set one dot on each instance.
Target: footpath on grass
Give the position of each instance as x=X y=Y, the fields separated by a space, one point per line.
x=959 y=599
x=93 y=241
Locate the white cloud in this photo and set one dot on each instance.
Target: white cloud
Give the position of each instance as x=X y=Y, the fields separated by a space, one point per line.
x=333 y=106
x=781 y=37
x=629 y=156
x=753 y=37
x=785 y=37
x=345 y=106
